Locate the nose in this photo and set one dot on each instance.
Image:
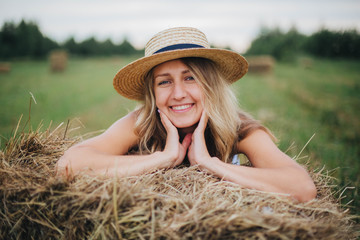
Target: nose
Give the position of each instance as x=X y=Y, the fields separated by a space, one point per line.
x=179 y=91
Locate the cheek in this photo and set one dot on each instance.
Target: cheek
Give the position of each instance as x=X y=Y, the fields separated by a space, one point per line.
x=198 y=94
x=160 y=98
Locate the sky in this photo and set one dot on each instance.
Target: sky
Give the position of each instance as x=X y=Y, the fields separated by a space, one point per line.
x=233 y=23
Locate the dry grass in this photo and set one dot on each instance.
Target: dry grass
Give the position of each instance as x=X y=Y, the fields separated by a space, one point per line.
x=261 y=64
x=58 y=60
x=5 y=67
x=181 y=203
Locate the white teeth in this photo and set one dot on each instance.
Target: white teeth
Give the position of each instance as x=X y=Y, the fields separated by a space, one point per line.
x=182 y=107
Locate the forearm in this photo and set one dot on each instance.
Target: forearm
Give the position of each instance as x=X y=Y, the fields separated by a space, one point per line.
x=91 y=161
x=292 y=180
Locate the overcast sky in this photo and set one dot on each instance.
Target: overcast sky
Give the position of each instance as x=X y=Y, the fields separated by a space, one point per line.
x=225 y=22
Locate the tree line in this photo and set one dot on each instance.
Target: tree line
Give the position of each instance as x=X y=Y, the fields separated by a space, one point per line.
x=323 y=43
x=26 y=40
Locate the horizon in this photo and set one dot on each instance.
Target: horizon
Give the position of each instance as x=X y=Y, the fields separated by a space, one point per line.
x=227 y=23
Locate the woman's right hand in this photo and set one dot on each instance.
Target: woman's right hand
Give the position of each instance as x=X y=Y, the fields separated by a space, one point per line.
x=175 y=150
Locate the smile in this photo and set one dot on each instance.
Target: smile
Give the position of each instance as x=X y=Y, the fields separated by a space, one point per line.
x=181 y=107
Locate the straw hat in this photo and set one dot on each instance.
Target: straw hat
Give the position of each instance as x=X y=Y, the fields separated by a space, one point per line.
x=172 y=44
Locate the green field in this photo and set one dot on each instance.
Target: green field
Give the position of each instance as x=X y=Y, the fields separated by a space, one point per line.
x=295 y=101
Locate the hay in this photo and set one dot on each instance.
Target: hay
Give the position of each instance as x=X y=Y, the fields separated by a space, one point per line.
x=5 y=67
x=58 y=60
x=261 y=64
x=181 y=203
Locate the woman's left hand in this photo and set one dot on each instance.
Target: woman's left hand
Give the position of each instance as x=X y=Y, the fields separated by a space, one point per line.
x=198 y=153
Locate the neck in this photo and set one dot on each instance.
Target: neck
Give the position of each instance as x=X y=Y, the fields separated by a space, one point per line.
x=184 y=131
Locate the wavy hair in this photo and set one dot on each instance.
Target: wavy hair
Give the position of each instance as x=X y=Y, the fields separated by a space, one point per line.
x=227 y=124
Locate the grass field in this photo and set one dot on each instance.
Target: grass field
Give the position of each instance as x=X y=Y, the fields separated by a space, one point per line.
x=295 y=101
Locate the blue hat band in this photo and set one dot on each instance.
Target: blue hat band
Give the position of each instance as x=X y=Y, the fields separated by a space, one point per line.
x=177 y=47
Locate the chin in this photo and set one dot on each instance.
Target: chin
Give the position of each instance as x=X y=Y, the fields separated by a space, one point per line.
x=186 y=126
x=183 y=126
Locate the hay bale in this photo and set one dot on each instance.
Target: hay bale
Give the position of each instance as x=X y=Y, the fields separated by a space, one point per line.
x=5 y=67
x=261 y=64
x=181 y=203
x=58 y=60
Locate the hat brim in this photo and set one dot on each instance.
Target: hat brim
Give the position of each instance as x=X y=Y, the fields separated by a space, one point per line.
x=129 y=81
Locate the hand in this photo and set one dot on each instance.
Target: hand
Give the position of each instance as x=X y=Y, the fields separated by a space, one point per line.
x=175 y=150
x=198 y=153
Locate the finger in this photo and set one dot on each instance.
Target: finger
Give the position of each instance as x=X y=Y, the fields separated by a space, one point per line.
x=187 y=141
x=172 y=140
x=191 y=155
x=183 y=149
x=166 y=122
x=203 y=122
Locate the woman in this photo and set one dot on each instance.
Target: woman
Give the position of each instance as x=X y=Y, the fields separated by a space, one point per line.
x=188 y=113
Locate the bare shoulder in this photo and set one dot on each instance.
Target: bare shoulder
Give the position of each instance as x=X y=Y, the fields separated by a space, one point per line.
x=255 y=139
x=118 y=138
x=262 y=151
x=128 y=122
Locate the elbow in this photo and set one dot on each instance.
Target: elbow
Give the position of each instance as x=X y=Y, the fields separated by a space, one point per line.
x=304 y=189
x=306 y=192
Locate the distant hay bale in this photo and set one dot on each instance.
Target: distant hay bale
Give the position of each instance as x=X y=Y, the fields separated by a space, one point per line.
x=261 y=64
x=5 y=67
x=181 y=203
x=58 y=60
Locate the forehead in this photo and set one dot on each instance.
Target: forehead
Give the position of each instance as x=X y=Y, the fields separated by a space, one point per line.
x=170 y=66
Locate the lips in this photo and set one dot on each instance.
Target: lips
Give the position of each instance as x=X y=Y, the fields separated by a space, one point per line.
x=181 y=107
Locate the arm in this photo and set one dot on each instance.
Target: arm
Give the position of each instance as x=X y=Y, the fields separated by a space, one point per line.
x=273 y=170
x=105 y=154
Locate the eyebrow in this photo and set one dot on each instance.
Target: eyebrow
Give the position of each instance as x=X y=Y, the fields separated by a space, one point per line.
x=168 y=74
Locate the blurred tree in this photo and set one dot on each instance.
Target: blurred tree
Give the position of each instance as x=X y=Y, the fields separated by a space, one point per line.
x=89 y=47
x=29 y=40
x=8 y=40
x=71 y=46
x=282 y=46
x=125 y=48
x=24 y=40
x=325 y=43
x=49 y=45
x=107 y=47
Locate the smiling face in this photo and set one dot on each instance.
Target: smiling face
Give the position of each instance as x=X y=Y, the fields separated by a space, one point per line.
x=177 y=94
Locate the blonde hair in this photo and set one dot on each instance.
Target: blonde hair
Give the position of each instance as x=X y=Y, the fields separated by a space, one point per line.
x=227 y=124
